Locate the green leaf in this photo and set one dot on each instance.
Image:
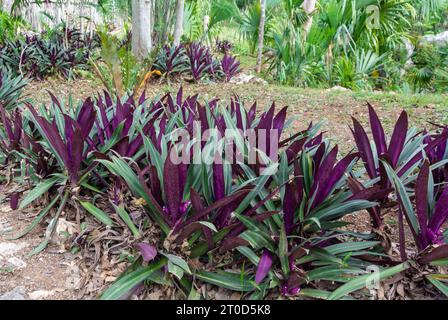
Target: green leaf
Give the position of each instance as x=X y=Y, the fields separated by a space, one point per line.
x=40 y=247
x=332 y=273
x=159 y=277
x=434 y=279
x=36 y=220
x=51 y=227
x=248 y=253
x=38 y=191
x=441 y=262
x=403 y=196
x=120 y=168
x=314 y=293
x=325 y=256
x=194 y=295
x=127 y=219
x=258 y=240
x=202 y=247
x=350 y=246
x=283 y=251
x=113 y=139
x=178 y=262
x=360 y=282
x=226 y=280
x=175 y=270
x=130 y=280
x=209 y=225
x=97 y=213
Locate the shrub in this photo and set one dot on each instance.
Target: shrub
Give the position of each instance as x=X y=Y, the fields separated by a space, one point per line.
x=278 y=218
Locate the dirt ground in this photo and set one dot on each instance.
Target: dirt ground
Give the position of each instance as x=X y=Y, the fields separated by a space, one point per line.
x=55 y=273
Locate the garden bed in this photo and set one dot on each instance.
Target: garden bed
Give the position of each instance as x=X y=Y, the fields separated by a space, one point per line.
x=60 y=273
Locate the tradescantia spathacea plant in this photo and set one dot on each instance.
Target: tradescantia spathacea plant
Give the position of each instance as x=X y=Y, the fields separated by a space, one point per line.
x=312 y=202
x=281 y=219
x=171 y=61
x=404 y=153
x=430 y=212
x=424 y=208
x=55 y=53
x=230 y=67
x=11 y=88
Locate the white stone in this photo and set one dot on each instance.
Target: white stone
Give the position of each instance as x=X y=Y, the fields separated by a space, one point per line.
x=338 y=88
x=17 y=263
x=16 y=294
x=40 y=294
x=9 y=248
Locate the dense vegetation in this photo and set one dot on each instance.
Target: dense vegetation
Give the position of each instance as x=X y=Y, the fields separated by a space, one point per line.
x=272 y=222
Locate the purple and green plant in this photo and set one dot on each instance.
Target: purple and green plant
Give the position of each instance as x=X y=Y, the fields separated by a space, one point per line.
x=201 y=61
x=430 y=212
x=230 y=66
x=404 y=153
x=223 y=46
x=171 y=60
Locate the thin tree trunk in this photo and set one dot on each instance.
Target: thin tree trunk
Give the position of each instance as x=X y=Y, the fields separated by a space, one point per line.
x=165 y=18
x=261 y=35
x=308 y=6
x=141 y=28
x=178 y=30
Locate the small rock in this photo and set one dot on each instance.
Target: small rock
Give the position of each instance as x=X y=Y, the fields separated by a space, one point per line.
x=65 y=226
x=5 y=208
x=9 y=248
x=17 y=263
x=16 y=294
x=338 y=88
x=247 y=78
x=40 y=294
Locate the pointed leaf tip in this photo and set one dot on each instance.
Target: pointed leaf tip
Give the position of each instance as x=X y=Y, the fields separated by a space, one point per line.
x=264 y=266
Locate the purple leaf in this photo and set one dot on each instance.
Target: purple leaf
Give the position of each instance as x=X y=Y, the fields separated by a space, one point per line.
x=171 y=185
x=440 y=212
x=398 y=138
x=365 y=151
x=438 y=253
x=230 y=66
x=279 y=121
x=147 y=251
x=289 y=207
x=336 y=174
x=218 y=181
x=377 y=131
x=264 y=266
x=14 y=200
x=421 y=201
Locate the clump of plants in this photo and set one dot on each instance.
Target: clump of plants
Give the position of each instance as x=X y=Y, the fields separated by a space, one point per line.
x=195 y=62
x=223 y=46
x=11 y=89
x=272 y=209
x=57 y=52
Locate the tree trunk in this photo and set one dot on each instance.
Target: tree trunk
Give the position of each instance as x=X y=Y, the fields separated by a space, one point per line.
x=308 y=6
x=178 y=30
x=141 y=28
x=261 y=35
x=165 y=18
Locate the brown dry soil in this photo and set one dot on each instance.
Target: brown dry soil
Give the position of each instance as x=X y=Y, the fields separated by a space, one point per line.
x=57 y=273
